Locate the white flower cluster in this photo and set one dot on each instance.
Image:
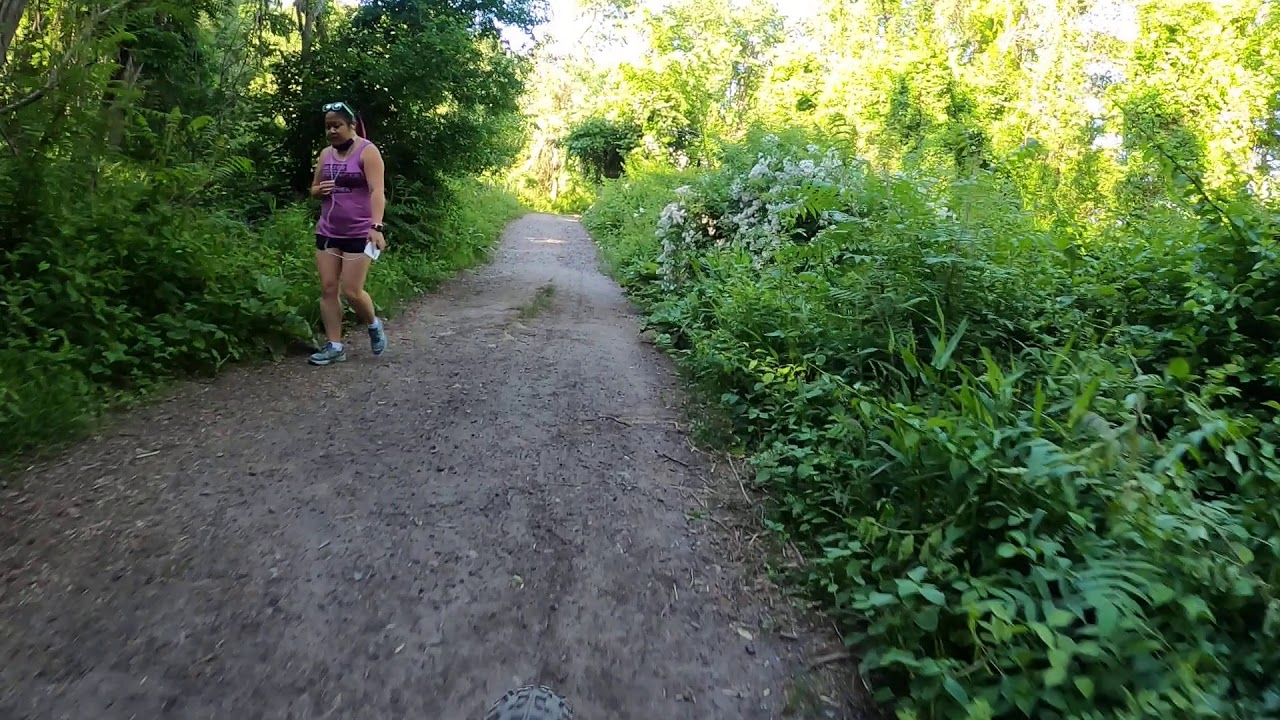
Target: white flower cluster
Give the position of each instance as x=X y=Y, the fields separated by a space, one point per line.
x=759 y=210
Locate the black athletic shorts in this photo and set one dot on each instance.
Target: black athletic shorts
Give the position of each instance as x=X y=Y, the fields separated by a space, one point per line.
x=342 y=245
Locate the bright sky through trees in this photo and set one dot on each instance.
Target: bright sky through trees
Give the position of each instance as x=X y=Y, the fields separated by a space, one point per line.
x=568 y=21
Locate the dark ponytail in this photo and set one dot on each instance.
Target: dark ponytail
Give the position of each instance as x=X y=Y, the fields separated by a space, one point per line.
x=360 y=128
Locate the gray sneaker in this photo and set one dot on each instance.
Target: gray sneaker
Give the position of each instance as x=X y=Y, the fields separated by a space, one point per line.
x=329 y=355
x=378 y=339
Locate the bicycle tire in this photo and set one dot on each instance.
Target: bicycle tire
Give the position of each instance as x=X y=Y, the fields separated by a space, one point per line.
x=531 y=702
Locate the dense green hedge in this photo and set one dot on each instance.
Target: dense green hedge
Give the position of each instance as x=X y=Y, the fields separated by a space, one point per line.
x=1032 y=478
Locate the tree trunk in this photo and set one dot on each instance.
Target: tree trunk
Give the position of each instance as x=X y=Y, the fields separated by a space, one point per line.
x=10 y=18
x=126 y=75
x=309 y=13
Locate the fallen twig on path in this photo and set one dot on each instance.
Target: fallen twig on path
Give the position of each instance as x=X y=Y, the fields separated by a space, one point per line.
x=829 y=658
x=674 y=460
x=694 y=447
x=741 y=485
x=726 y=528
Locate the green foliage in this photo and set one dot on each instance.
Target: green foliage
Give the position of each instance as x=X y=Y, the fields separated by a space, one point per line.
x=1064 y=95
x=543 y=176
x=994 y=312
x=1032 y=477
x=601 y=146
x=462 y=117
x=574 y=193
x=95 y=309
x=156 y=155
x=703 y=61
x=693 y=79
x=626 y=213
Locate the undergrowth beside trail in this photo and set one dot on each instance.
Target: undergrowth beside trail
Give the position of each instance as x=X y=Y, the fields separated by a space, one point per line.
x=129 y=288
x=1032 y=467
x=155 y=160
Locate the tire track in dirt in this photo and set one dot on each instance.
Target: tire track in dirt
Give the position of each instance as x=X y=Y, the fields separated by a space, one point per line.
x=402 y=537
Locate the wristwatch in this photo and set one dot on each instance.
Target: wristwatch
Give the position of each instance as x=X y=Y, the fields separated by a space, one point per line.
x=379 y=227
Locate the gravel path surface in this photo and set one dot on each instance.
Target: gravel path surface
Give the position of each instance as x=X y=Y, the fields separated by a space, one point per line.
x=505 y=497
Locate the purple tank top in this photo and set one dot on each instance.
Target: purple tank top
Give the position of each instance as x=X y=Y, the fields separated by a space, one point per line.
x=347 y=212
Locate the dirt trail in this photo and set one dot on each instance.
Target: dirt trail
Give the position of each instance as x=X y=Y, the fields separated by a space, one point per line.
x=400 y=537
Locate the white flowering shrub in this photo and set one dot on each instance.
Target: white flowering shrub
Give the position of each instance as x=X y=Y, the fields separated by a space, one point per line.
x=756 y=209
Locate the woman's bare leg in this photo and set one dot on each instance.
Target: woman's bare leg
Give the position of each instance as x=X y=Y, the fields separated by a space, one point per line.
x=355 y=268
x=329 y=265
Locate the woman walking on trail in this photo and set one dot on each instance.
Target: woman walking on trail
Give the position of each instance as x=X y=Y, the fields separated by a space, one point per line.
x=349 y=181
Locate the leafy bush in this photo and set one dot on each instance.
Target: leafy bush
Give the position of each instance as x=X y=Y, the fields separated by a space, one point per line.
x=573 y=192
x=601 y=146
x=154 y=222
x=133 y=285
x=453 y=122
x=1033 y=476
x=625 y=213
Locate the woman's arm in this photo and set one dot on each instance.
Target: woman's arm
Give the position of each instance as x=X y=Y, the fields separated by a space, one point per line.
x=316 y=185
x=374 y=171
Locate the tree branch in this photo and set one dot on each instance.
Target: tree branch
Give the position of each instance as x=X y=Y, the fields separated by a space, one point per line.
x=52 y=80
x=29 y=99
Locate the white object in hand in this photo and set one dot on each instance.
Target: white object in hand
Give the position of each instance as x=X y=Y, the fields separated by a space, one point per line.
x=371 y=250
